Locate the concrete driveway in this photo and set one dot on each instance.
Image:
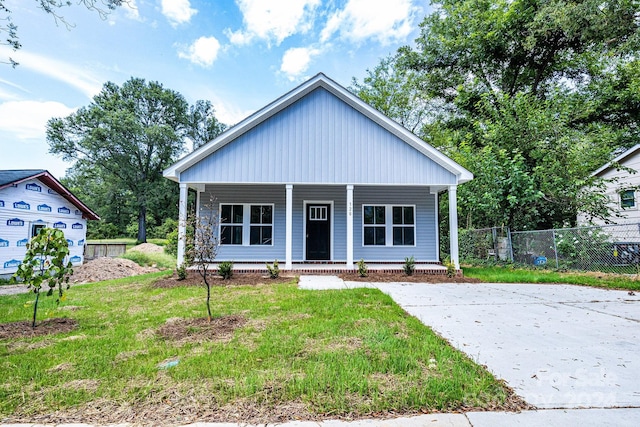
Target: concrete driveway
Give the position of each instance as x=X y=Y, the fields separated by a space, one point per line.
x=558 y=346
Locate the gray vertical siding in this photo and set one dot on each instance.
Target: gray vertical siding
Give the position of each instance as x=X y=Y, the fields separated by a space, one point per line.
x=267 y=194
x=426 y=248
x=318 y=139
x=426 y=227
x=335 y=194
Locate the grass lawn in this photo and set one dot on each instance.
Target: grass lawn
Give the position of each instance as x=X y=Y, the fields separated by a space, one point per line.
x=507 y=274
x=131 y=242
x=297 y=353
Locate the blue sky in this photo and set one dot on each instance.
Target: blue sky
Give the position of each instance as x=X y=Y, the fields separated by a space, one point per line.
x=239 y=54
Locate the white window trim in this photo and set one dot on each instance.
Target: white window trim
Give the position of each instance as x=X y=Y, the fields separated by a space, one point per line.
x=304 y=225
x=388 y=224
x=246 y=223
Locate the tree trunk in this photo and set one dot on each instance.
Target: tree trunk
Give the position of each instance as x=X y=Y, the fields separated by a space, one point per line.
x=142 y=225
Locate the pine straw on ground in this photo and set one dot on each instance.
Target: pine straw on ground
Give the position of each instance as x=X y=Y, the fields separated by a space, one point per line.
x=171 y=404
x=23 y=329
x=198 y=330
x=239 y=279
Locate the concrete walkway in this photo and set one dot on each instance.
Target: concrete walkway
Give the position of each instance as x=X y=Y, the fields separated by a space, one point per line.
x=557 y=346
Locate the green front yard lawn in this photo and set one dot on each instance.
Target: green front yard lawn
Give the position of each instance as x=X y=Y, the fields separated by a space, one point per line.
x=275 y=353
x=507 y=274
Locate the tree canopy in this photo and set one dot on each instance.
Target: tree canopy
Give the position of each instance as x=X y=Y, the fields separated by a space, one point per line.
x=530 y=95
x=122 y=142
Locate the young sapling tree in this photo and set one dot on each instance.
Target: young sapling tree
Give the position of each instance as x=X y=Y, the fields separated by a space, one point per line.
x=46 y=263
x=202 y=243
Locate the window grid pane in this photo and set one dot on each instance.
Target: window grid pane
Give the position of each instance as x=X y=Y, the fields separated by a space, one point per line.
x=627 y=199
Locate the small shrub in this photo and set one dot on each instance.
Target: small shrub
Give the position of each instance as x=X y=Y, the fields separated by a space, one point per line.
x=181 y=271
x=225 y=270
x=274 y=271
x=363 y=270
x=172 y=243
x=451 y=267
x=409 y=266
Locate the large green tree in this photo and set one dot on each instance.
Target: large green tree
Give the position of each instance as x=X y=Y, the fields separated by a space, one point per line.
x=121 y=143
x=9 y=31
x=534 y=95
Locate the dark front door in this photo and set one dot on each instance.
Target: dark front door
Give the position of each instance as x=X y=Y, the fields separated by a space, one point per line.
x=318 y=232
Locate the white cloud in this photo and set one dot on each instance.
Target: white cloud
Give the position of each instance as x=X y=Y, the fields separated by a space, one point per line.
x=28 y=119
x=203 y=51
x=295 y=61
x=384 y=20
x=177 y=11
x=273 y=20
x=131 y=10
x=68 y=73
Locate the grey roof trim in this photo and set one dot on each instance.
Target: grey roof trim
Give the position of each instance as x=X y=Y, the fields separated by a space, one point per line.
x=618 y=159
x=319 y=80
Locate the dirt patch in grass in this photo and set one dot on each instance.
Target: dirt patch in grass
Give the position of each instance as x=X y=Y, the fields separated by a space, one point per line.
x=198 y=330
x=401 y=277
x=238 y=279
x=23 y=329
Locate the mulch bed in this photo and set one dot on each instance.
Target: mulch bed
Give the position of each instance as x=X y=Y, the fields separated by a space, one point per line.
x=23 y=328
x=238 y=279
x=201 y=329
x=401 y=277
x=253 y=279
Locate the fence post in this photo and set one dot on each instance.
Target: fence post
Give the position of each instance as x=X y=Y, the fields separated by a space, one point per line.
x=555 y=249
x=510 y=245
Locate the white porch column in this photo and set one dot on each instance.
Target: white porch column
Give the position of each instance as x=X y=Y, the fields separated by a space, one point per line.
x=453 y=225
x=182 y=222
x=289 y=227
x=350 y=227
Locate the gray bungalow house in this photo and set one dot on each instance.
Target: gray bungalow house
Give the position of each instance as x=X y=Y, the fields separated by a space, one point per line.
x=319 y=176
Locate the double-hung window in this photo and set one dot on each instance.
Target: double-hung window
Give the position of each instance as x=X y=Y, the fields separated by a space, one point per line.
x=261 y=225
x=231 y=218
x=246 y=224
x=388 y=225
x=404 y=228
x=375 y=230
x=627 y=199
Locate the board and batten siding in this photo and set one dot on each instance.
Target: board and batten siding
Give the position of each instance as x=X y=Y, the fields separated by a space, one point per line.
x=31 y=202
x=426 y=237
x=321 y=140
x=426 y=248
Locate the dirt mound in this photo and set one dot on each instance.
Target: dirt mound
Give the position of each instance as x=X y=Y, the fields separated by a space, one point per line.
x=107 y=268
x=147 y=248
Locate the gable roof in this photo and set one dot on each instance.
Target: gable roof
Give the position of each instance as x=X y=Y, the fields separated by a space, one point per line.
x=10 y=177
x=621 y=158
x=318 y=81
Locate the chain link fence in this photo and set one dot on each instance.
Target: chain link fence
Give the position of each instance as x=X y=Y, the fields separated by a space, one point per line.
x=485 y=244
x=609 y=248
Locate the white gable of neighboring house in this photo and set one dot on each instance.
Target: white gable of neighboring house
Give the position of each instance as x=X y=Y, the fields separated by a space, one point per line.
x=623 y=192
x=29 y=204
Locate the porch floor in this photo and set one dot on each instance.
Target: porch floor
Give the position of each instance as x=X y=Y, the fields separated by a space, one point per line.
x=335 y=268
